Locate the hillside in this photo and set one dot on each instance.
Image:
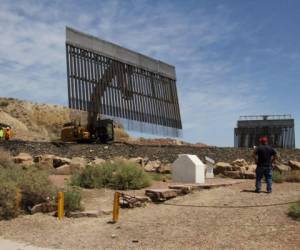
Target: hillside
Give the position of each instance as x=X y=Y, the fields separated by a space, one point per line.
x=43 y=122
x=31 y=121
x=40 y=122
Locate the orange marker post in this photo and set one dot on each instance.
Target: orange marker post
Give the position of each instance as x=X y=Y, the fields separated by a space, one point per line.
x=60 y=205
x=116 y=207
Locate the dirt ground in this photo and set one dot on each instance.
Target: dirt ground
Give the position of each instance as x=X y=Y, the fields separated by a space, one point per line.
x=187 y=224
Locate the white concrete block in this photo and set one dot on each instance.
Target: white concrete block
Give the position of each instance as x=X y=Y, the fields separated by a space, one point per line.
x=189 y=169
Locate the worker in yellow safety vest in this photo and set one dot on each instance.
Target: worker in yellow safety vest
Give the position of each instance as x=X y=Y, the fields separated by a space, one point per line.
x=1 y=133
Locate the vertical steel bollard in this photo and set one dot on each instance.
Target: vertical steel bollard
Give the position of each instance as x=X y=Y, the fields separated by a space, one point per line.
x=116 y=207
x=60 y=205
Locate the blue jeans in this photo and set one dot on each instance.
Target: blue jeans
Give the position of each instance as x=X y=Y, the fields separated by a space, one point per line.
x=260 y=173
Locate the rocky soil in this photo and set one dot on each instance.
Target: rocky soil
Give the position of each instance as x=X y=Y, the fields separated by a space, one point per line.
x=164 y=153
x=209 y=219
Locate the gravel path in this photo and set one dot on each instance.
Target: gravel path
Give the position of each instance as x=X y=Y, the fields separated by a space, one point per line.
x=175 y=226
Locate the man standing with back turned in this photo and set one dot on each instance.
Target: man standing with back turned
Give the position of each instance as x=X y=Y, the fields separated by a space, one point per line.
x=264 y=156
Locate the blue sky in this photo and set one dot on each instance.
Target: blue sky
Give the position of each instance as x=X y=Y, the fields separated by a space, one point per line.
x=232 y=57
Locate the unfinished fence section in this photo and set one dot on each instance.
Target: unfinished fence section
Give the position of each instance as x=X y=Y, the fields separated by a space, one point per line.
x=111 y=81
x=280 y=130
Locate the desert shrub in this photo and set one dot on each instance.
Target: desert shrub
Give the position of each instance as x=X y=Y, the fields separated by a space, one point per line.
x=94 y=176
x=294 y=211
x=159 y=177
x=292 y=176
x=277 y=177
x=117 y=175
x=35 y=187
x=129 y=176
x=72 y=200
x=4 y=104
x=5 y=159
x=8 y=200
x=84 y=178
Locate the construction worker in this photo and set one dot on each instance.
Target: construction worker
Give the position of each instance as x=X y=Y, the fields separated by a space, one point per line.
x=264 y=156
x=7 y=133
x=1 y=133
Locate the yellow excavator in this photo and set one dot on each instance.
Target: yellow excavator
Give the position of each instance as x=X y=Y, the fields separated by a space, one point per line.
x=97 y=130
x=102 y=132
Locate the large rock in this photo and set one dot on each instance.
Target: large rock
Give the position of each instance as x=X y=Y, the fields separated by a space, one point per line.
x=45 y=207
x=152 y=166
x=161 y=194
x=282 y=168
x=239 y=163
x=233 y=174
x=44 y=161
x=63 y=170
x=164 y=168
x=237 y=168
x=295 y=165
x=248 y=175
x=221 y=167
x=24 y=159
x=77 y=163
x=60 y=161
x=251 y=168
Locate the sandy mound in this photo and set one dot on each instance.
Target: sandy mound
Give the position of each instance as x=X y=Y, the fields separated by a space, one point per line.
x=31 y=121
x=40 y=122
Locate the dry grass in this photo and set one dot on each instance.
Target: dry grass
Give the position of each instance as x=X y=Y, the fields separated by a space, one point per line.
x=291 y=176
x=294 y=211
x=5 y=159
x=118 y=175
x=32 y=183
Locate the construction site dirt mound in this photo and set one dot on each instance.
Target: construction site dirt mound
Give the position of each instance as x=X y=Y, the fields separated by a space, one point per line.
x=40 y=122
x=31 y=121
x=43 y=122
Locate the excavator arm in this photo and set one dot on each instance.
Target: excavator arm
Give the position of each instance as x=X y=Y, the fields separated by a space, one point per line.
x=122 y=74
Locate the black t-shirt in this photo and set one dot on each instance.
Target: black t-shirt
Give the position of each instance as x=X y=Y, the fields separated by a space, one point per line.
x=264 y=153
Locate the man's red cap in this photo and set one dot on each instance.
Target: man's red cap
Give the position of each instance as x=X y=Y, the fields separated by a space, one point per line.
x=263 y=139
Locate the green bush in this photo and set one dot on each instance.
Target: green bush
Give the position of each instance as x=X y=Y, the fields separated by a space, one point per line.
x=33 y=184
x=159 y=176
x=72 y=200
x=36 y=187
x=8 y=200
x=294 y=211
x=94 y=176
x=117 y=175
x=129 y=176
x=277 y=177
